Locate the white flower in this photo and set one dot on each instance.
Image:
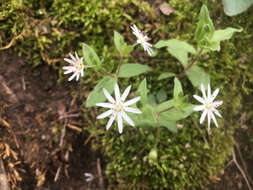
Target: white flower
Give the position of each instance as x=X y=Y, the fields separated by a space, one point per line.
x=118 y=108
x=209 y=105
x=89 y=177
x=142 y=39
x=76 y=67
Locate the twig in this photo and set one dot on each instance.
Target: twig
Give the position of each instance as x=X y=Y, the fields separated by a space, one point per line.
x=13 y=97
x=4 y=185
x=243 y=162
x=197 y=126
x=100 y=175
x=241 y=170
x=57 y=174
x=63 y=131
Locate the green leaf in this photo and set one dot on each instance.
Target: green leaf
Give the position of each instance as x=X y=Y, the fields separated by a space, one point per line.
x=120 y=44
x=175 y=114
x=147 y=118
x=97 y=95
x=161 y=95
x=90 y=56
x=142 y=91
x=178 y=49
x=197 y=76
x=205 y=28
x=226 y=34
x=177 y=88
x=220 y=35
x=163 y=106
x=152 y=99
x=234 y=7
x=169 y=124
x=166 y=75
x=130 y=70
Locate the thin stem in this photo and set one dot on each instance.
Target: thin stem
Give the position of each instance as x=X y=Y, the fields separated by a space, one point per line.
x=240 y=169
x=120 y=64
x=167 y=109
x=180 y=75
x=197 y=126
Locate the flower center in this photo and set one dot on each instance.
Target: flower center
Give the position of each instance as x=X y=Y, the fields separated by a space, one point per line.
x=208 y=105
x=118 y=107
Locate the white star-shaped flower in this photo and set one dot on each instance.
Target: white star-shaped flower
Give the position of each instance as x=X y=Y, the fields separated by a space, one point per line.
x=142 y=39
x=76 y=66
x=118 y=108
x=209 y=105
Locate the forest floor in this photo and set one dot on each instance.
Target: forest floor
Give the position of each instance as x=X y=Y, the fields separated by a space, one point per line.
x=42 y=140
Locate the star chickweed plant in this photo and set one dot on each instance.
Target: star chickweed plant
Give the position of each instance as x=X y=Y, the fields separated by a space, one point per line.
x=208 y=105
x=142 y=39
x=118 y=108
x=76 y=67
x=158 y=111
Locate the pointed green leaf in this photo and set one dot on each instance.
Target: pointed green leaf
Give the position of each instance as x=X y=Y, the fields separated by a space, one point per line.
x=166 y=75
x=175 y=114
x=205 y=28
x=97 y=95
x=90 y=56
x=197 y=76
x=120 y=44
x=234 y=7
x=142 y=91
x=161 y=96
x=177 y=88
x=163 y=106
x=130 y=70
x=178 y=49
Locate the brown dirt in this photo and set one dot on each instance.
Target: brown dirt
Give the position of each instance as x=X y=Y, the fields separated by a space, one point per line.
x=33 y=111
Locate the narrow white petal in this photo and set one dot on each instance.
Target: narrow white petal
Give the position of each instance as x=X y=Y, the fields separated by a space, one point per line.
x=108 y=96
x=82 y=73
x=73 y=76
x=105 y=105
x=203 y=116
x=77 y=76
x=105 y=114
x=217 y=112
x=199 y=99
x=68 y=68
x=203 y=90
x=199 y=108
x=208 y=91
x=76 y=56
x=68 y=71
x=69 y=61
x=150 y=51
x=132 y=101
x=215 y=93
x=217 y=103
x=120 y=124
x=117 y=92
x=125 y=93
x=209 y=119
x=214 y=119
x=72 y=57
x=109 y=124
x=127 y=119
x=132 y=110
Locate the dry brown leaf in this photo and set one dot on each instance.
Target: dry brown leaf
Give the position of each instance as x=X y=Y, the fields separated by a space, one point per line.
x=166 y=9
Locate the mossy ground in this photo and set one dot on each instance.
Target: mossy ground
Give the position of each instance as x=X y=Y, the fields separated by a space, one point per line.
x=46 y=31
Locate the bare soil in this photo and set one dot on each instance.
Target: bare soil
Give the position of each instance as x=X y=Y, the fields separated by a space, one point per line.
x=41 y=132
